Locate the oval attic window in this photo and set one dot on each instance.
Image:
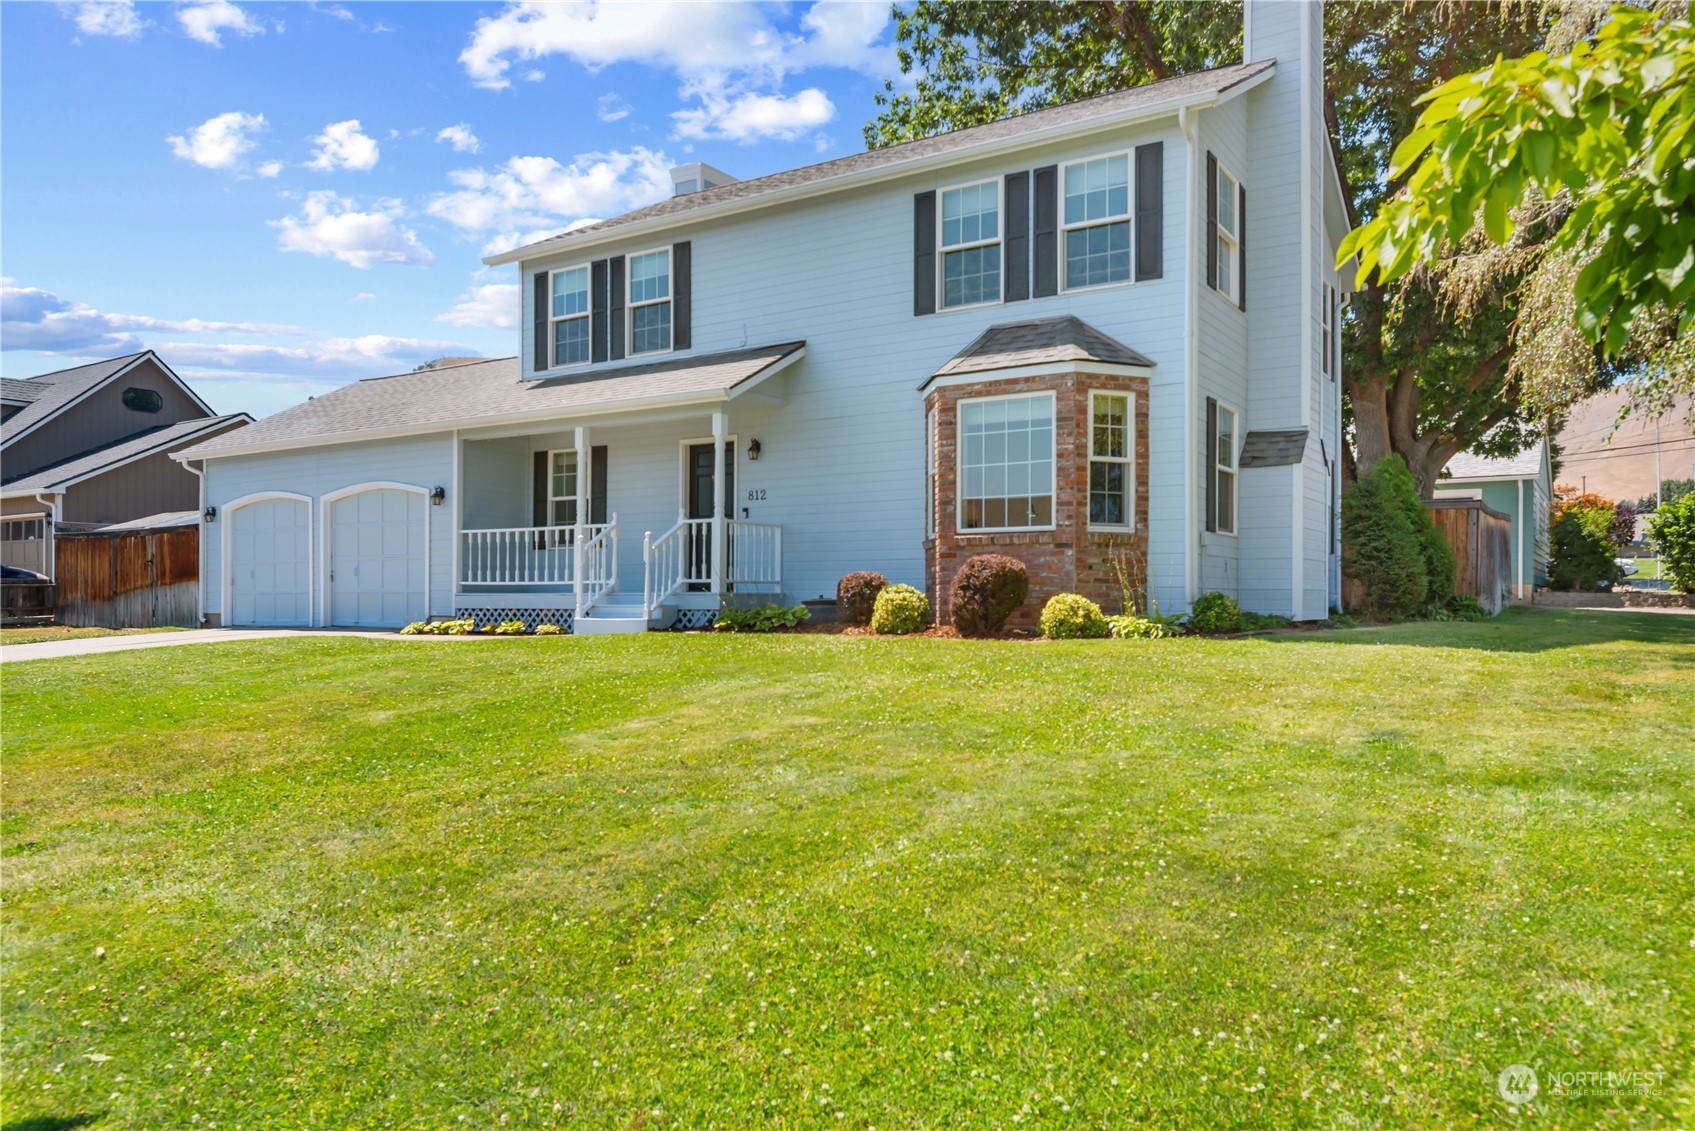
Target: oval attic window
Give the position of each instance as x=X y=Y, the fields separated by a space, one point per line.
x=143 y=400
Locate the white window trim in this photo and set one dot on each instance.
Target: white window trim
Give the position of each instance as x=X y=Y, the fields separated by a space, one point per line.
x=930 y=476
x=1128 y=459
x=942 y=249
x=630 y=305
x=1220 y=235
x=959 y=470
x=1235 y=468
x=1129 y=217
x=587 y=315
x=1327 y=331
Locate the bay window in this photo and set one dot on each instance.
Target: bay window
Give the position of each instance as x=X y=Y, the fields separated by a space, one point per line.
x=1006 y=463
x=1111 y=471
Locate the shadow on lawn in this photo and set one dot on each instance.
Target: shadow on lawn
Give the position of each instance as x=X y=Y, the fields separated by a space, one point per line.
x=49 y=1122
x=1522 y=630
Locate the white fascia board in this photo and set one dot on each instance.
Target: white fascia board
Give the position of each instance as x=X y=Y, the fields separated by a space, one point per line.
x=1047 y=369
x=864 y=177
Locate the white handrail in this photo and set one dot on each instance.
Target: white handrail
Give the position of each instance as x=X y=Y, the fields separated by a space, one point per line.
x=516 y=555
x=756 y=556
x=678 y=558
x=600 y=563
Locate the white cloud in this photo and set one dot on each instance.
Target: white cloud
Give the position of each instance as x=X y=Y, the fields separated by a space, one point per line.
x=270 y=169
x=611 y=108
x=493 y=306
x=34 y=319
x=461 y=138
x=219 y=142
x=329 y=225
x=343 y=145
x=364 y=296
x=335 y=10
x=205 y=21
x=541 y=193
x=749 y=117
x=105 y=17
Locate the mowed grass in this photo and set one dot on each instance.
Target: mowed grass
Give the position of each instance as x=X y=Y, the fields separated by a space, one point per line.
x=1329 y=880
x=37 y=634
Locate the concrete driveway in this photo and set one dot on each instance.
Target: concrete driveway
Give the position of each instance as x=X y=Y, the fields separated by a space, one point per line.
x=94 y=645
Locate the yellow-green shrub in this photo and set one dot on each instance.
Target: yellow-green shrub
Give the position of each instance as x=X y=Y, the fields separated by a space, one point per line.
x=1072 y=616
x=900 y=609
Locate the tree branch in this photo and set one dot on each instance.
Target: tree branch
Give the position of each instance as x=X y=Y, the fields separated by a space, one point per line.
x=1132 y=22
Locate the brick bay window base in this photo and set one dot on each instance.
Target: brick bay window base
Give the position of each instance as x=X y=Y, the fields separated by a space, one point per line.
x=1046 y=463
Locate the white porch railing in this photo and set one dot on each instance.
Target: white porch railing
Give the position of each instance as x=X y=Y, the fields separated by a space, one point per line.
x=600 y=564
x=756 y=557
x=683 y=557
x=521 y=555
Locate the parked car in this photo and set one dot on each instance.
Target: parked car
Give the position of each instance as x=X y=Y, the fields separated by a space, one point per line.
x=18 y=573
x=1626 y=566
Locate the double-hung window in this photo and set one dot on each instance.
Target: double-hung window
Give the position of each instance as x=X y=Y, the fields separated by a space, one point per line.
x=1228 y=234
x=1097 y=222
x=971 y=249
x=1225 y=469
x=562 y=488
x=650 y=302
x=570 y=316
x=1006 y=462
x=1111 y=472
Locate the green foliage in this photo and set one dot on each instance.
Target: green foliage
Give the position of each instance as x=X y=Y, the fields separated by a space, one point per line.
x=761 y=618
x=1580 y=543
x=1390 y=544
x=987 y=590
x=509 y=628
x=1072 y=616
x=549 y=629
x=465 y=626
x=1132 y=627
x=1457 y=608
x=1215 y=613
x=1611 y=124
x=900 y=609
x=856 y=595
x=1673 y=531
x=1263 y=622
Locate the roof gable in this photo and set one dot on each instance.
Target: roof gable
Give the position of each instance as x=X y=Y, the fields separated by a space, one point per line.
x=61 y=390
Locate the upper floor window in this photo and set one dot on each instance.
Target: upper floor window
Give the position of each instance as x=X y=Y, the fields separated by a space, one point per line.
x=1111 y=474
x=1228 y=234
x=570 y=316
x=1225 y=470
x=971 y=250
x=1097 y=222
x=650 y=301
x=1005 y=469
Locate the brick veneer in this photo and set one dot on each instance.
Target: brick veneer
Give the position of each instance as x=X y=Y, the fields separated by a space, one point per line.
x=1069 y=558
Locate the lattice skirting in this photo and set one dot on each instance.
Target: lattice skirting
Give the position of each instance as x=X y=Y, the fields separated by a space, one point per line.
x=488 y=618
x=689 y=620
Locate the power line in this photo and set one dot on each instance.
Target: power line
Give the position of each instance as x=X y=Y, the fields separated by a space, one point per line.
x=1590 y=457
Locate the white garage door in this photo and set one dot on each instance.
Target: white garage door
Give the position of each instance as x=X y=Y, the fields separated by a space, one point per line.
x=377 y=559
x=270 y=563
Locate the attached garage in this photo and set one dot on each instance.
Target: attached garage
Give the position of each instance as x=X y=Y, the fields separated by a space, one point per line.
x=269 y=556
x=378 y=556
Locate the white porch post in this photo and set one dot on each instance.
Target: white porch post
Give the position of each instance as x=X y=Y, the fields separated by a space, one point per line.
x=719 y=430
x=579 y=532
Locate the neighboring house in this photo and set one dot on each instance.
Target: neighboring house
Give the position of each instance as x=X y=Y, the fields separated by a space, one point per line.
x=1520 y=487
x=87 y=447
x=1105 y=326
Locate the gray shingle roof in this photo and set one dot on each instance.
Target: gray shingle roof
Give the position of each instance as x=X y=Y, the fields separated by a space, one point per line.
x=1273 y=447
x=1038 y=341
x=468 y=394
x=1082 y=113
x=164 y=438
x=1526 y=465
x=14 y=389
x=55 y=390
x=162 y=521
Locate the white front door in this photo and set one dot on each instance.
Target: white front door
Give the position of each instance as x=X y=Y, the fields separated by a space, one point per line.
x=270 y=563
x=377 y=554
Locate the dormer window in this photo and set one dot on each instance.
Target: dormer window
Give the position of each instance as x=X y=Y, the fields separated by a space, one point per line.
x=650 y=302
x=971 y=249
x=570 y=316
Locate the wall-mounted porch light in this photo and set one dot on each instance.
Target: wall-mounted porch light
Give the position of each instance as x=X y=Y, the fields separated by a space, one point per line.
x=438 y=496
x=211 y=514
x=753 y=449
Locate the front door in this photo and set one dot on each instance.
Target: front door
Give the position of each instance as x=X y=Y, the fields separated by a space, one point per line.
x=700 y=471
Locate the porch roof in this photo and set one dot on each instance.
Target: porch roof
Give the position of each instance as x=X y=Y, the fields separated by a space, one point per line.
x=490 y=392
x=1039 y=341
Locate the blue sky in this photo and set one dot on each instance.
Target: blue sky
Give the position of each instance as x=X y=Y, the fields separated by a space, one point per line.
x=282 y=198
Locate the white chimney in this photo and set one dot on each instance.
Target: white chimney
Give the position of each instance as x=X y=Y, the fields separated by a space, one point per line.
x=697 y=176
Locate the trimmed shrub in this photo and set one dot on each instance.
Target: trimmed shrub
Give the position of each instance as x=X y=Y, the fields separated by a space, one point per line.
x=761 y=618
x=899 y=609
x=1580 y=543
x=1072 y=616
x=549 y=629
x=856 y=596
x=987 y=590
x=1673 y=532
x=509 y=628
x=1385 y=546
x=1132 y=627
x=1214 y=613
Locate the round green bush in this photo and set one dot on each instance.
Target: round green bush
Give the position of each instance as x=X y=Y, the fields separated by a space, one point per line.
x=1389 y=542
x=1673 y=532
x=1580 y=545
x=1072 y=616
x=856 y=594
x=1214 y=613
x=986 y=591
x=900 y=609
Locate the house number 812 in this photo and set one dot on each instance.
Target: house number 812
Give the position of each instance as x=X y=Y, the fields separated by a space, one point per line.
x=756 y=494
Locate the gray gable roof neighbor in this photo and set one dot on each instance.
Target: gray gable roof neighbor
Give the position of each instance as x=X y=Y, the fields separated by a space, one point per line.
x=153 y=440
x=488 y=391
x=1526 y=465
x=58 y=389
x=1039 y=341
x=13 y=389
x=1080 y=114
x=1273 y=448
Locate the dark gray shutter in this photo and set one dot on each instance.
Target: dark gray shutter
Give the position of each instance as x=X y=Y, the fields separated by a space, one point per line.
x=924 y=253
x=1242 y=247
x=538 y=510
x=1211 y=235
x=597 y=483
x=1212 y=465
x=615 y=308
x=1044 y=240
x=1150 y=210
x=681 y=298
x=541 y=355
x=597 y=310
x=1016 y=269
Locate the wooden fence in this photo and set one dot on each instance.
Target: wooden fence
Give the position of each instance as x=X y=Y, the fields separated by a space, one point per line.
x=143 y=579
x=1483 y=548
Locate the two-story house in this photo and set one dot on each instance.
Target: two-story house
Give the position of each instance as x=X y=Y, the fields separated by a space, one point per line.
x=1109 y=325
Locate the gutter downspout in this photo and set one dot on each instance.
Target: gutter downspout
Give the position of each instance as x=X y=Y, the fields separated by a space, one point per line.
x=52 y=538
x=200 y=583
x=1191 y=358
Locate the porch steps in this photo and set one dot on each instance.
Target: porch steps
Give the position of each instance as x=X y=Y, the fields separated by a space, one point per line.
x=611 y=618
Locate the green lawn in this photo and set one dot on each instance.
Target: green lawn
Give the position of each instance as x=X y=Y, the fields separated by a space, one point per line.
x=27 y=634
x=1331 y=880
